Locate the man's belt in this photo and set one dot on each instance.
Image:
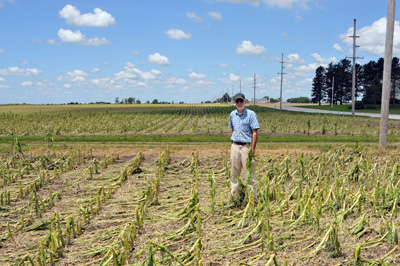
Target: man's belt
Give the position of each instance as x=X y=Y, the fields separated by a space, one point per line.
x=240 y=143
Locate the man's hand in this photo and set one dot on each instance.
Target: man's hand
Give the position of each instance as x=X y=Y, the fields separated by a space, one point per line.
x=253 y=144
x=252 y=154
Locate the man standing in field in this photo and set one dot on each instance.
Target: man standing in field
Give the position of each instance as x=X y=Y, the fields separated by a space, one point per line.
x=244 y=125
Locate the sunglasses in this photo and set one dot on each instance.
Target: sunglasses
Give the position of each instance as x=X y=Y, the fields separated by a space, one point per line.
x=239 y=101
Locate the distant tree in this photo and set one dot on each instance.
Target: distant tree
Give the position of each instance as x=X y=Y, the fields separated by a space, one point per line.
x=318 y=91
x=299 y=100
x=138 y=101
x=266 y=97
x=155 y=101
x=147 y=101
x=117 y=100
x=225 y=98
x=131 y=100
x=272 y=100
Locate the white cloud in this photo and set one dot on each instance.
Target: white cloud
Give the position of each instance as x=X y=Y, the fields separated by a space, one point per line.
x=178 y=34
x=95 y=70
x=77 y=76
x=27 y=83
x=2 y=51
x=99 y=18
x=223 y=65
x=131 y=73
x=135 y=52
x=305 y=70
x=248 y=48
x=78 y=72
x=295 y=59
x=299 y=18
x=2 y=80
x=193 y=16
x=272 y=3
x=69 y=36
x=197 y=75
x=337 y=47
x=158 y=59
x=233 y=77
x=52 y=41
x=16 y=71
x=321 y=60
x=372 y=38
x=173 y=80
x=215 y=15
x=204 y=82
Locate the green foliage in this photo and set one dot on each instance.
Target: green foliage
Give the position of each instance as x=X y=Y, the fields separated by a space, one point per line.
x=299 y=100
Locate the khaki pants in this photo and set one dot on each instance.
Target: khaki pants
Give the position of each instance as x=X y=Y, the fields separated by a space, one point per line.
x=238 y=168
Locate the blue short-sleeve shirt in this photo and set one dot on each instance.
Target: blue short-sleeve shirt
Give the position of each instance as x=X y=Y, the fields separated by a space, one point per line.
x=243 y=125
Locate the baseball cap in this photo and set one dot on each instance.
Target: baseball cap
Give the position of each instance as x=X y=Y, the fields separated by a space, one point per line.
x=239 y=95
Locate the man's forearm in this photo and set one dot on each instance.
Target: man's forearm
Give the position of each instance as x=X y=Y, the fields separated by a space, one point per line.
x=254 y=142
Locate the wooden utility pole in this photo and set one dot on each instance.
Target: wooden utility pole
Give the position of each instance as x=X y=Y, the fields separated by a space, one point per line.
x=387 y=68
x=280 y=100
x=254 y=89
x=232 y=100
x=333 y=87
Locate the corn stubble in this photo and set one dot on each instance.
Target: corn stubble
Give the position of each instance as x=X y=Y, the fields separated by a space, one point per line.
x=340 y=206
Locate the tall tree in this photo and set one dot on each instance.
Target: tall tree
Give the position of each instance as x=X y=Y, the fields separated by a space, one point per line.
x=395 y=76
x=329 y=83
x=343 y=80
x=318 y=91
x=359 y=88
x=372 y=76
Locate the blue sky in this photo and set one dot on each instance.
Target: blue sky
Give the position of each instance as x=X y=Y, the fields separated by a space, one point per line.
x=54 y=51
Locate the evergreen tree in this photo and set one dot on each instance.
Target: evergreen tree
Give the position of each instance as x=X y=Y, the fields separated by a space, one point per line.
x=395 y=76
x=371 y=79
x=343 y=81
x=318 y=91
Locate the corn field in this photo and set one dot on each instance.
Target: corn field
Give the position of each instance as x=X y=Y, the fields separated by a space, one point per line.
x=174 y=120
x=336 y=206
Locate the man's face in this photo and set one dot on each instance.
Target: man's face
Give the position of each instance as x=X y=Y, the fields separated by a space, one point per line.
x=239 y=103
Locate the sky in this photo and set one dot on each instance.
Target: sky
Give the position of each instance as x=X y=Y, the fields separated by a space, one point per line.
x=192 y=51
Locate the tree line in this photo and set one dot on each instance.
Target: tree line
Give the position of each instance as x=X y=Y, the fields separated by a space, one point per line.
x=335 y=81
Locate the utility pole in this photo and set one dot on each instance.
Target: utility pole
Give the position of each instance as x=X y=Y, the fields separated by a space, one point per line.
x=232 y=94
x=254 y=89
x=387 y=68
x=280 y=100
x=333 y=87
x=353 y=81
